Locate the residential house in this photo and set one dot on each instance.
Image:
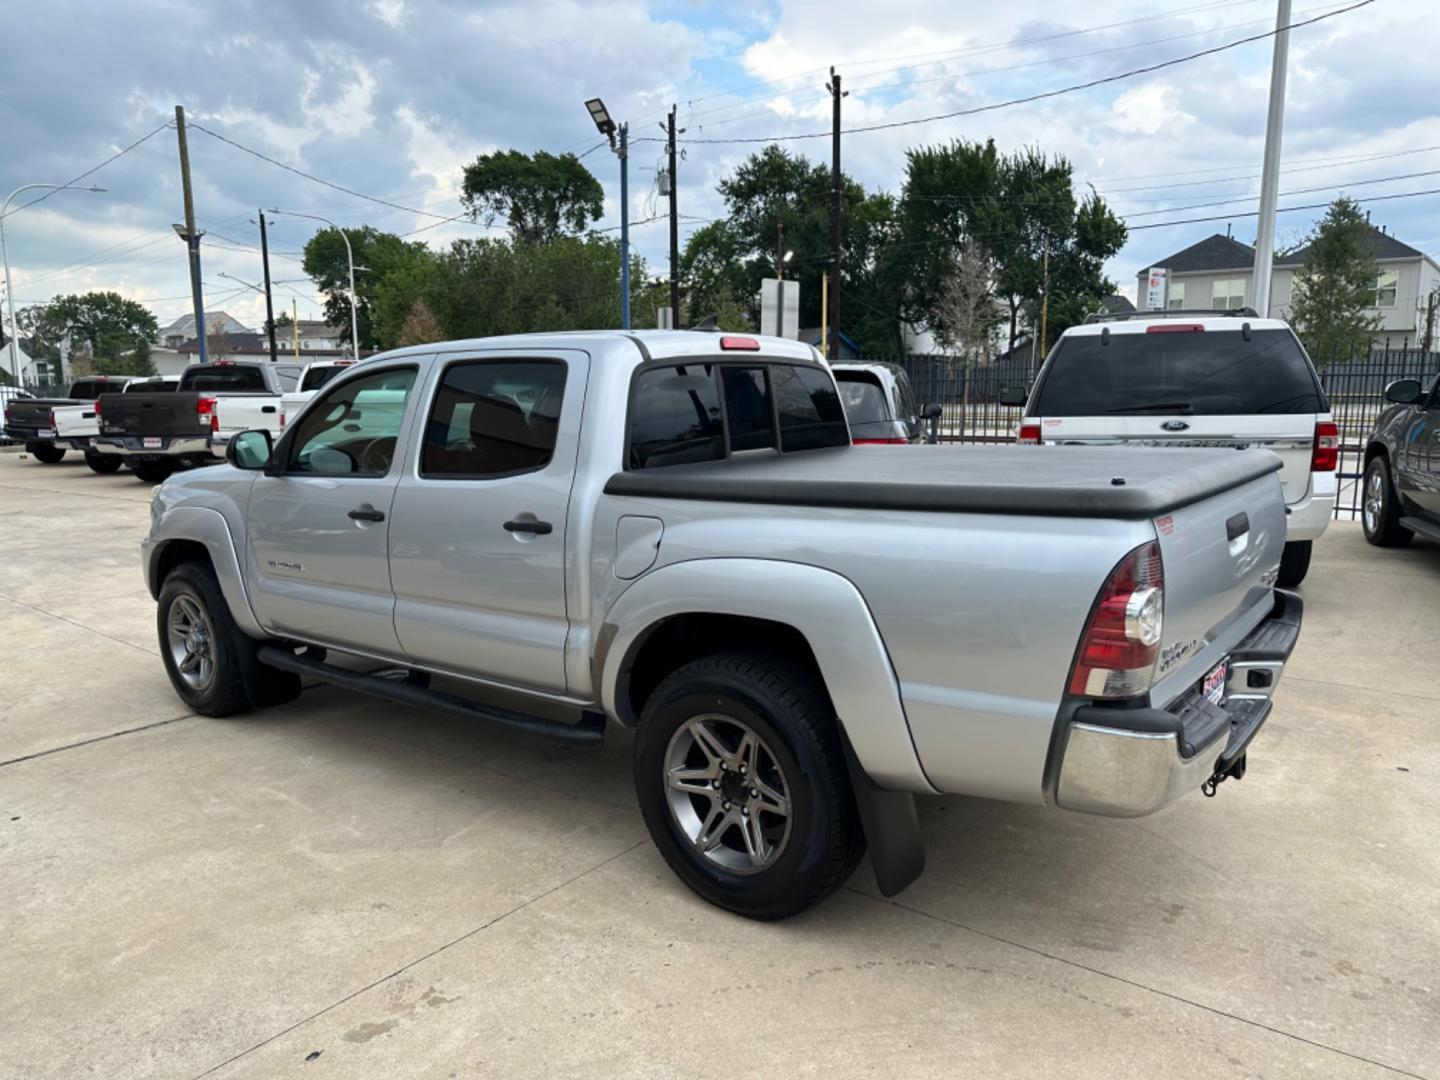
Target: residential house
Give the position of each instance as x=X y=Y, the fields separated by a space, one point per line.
x=183 y=329
x=1215 y=274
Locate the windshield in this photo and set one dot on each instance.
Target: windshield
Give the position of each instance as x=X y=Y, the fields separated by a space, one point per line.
x=1200 y=373
x=863 y=397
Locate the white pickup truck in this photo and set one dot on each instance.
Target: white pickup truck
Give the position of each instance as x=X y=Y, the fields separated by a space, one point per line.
x=317 y=374
x=32 y=421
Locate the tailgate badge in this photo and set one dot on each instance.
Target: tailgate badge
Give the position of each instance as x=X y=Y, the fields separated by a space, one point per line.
x=1175 y=425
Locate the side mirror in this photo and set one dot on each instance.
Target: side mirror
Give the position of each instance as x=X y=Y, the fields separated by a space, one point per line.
x=1404 y=391
x=1013 y=395
x=249 y=449
x=932 y=411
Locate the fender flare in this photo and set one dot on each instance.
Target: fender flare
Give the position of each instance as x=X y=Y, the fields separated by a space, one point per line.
x=823 y=606
x=202 y=525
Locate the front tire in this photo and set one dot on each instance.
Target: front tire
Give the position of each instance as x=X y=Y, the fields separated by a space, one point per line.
x=198 y=642
x=152 y=472
x=104 y=464
x=742 y=781
x=1380 y=507
x=46 y=453
x=1295 y=563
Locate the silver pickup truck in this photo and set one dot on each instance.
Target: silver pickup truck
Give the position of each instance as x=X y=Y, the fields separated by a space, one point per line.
x=670 y=531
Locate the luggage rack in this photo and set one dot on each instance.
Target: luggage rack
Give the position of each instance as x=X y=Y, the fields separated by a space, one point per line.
x=1176 y=313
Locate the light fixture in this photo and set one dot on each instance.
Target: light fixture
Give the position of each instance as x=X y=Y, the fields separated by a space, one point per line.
x=788 y=256
x=601 y=116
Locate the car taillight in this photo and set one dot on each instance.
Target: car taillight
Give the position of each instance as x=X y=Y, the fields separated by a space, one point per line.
x=97 y=408
x=282 y=418
x=52 y=420
x=1029 y=435
x=1326 y=455
x=1122 y=637
x=879 y=442
x=208 y=407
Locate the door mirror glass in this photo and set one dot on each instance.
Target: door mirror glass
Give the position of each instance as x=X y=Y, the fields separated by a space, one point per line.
x=249 y=449
x=933 y=411
x=1404 y=391
x=1013 y=395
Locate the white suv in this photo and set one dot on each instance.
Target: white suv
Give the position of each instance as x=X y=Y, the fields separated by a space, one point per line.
x=1187 y=379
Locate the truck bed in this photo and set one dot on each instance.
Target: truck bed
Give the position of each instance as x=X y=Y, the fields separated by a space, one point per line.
x=1075 y=482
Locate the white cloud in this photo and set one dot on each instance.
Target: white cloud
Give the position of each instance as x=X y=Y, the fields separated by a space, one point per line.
x=1148 y=109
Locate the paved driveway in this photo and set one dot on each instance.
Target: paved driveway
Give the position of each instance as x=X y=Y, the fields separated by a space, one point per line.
x=341 y=888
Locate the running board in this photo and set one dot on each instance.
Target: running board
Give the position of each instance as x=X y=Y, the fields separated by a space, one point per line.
x=590 y=731
x=1421 y=526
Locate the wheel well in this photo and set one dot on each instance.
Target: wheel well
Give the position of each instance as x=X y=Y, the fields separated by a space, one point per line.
x=1373 y=451
x=173 y=554
x=674 y=642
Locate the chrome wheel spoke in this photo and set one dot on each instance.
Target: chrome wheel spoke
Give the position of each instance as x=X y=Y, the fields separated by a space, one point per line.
x=695 y=781
x=717 y=823
x=708 y=742
x=756 y=845
x=766 y=798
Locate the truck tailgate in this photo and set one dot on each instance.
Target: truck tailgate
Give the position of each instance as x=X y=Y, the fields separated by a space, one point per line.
x=1220 y=556
x=152 y=414
x=235 y=413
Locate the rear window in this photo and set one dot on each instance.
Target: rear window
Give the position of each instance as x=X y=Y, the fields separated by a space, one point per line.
x=150 y=386
x=676 y=417
x=811 y=416
x=90 y=389
x=1204 y=373
x=224 y=378
x=863 y=397
x=316 y=377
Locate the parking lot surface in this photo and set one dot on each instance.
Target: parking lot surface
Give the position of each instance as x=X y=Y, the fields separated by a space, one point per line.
x=344 y=888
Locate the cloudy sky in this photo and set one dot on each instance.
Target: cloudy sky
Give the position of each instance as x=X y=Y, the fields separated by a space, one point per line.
x=391 y=97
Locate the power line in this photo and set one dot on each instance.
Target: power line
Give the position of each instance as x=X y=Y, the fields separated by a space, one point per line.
x=1045 y=94
x=1283 y=210
x=1302 y=164
x=1296 y=191
x=91 y=171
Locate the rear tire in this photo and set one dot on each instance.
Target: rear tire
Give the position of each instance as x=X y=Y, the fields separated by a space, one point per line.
x=763 y=714
x=1380 y=506
x=104 y=464
x=47 y=453
x=1295 y=563
x=152 y=472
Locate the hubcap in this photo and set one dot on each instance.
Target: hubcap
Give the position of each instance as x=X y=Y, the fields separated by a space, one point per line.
x=191 y=641
x=1374 y=499
x=727 y=793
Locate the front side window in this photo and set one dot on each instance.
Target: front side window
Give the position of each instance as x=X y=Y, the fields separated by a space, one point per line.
x=1229 y=294
x=675 y=418
x=1387 y=285
x=353 y=429
x=811 y=416
x=494 y=418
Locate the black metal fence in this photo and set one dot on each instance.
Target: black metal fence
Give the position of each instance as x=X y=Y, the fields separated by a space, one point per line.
x=969 y=394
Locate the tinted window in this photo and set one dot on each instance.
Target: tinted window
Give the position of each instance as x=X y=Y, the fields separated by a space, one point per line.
x=149 y=386
x=352 y=430
x=494 y=418
x=863 y=397
x=90 y=389
x=811 y=415
x=1201 y=372
x=224 y=378
x=675 y=418
x=748 y=412
x=317 y=377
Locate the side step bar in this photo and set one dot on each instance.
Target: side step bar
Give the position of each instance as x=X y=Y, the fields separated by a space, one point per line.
x=1422 y=526
x=590 y=731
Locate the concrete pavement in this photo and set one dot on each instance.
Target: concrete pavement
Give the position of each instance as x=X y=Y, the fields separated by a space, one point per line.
x=341 y=888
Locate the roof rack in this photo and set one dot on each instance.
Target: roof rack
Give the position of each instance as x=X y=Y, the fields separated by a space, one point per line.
x=1172 y=313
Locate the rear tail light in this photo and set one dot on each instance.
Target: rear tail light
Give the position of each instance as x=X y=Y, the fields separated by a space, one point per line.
x=52 y=420
x=282 y=418
x=1176 y=328
x=1122 y=637
x=1029 y=435
x=879 y=442
x=208 y=407
x=1326 y=455
x=97 y=408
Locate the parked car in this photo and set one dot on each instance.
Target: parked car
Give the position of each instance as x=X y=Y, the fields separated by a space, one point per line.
x=32 y=421
x=672 y=531
x=316 y=375
x=1179 y=379
x=880 y=404
x=1402 y=467
x=157 y=433
x=8 y=394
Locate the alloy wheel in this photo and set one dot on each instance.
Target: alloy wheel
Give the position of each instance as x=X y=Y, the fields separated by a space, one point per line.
x=1374 y=499
x=191 y=640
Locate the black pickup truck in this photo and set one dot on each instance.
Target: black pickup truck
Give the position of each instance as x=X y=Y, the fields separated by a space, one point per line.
x=28 y=420
x=157 y=434
x=1402 y=467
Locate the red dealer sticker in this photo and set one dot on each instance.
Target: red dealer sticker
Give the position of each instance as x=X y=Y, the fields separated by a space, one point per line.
x=1165 y=524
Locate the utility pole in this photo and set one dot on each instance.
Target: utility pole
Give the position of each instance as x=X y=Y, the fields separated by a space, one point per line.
x=190 y=236
x=295 y=328
x=836 y=187
x=1044 y=293
x=1270 y=171
x=269 y=307
x=624 y=226
x=780 y=251
x=674 y=229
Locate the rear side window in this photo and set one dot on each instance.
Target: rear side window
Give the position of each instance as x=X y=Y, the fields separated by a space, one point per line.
x=239 y=379
x=811 y=415
x=675 y=419
x=90 y=389
x=316 y=377
x=1204 y=373
x=863 y=396
x=494 y=418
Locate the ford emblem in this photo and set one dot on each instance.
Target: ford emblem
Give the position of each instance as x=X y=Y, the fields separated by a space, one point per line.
x=1175 y=425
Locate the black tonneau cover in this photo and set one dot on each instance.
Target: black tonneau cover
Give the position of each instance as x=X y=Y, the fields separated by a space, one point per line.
x=1068 y=481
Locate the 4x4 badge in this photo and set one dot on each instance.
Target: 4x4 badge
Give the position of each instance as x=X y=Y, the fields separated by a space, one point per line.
x=1175 y=425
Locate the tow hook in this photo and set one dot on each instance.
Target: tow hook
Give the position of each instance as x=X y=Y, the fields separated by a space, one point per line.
x=1237 y=770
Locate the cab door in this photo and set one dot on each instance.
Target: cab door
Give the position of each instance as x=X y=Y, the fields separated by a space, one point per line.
x=1427 y=478
x=318 y=523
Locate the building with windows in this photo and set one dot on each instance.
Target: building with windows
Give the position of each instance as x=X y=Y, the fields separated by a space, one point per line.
x=1215 y=275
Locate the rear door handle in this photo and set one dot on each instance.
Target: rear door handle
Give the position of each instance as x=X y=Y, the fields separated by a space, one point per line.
x=361 y=514
x=267 y=408
x=539 y=528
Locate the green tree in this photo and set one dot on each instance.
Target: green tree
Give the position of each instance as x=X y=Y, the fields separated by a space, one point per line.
x=541 y=196
x=380 y=253
x=114 y=331
x=1333 y=305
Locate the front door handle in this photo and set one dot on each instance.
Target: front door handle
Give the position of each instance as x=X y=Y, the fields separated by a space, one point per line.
x=363 y=514
x=539 y=528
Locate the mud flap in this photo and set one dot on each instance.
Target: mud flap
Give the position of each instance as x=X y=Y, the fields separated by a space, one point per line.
x=892 y=827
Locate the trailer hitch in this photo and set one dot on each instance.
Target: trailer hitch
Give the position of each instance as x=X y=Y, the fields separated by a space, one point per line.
x=1236 y=769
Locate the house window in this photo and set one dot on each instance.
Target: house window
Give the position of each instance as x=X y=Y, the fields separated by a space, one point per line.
x=1386 y=286
x=1176 y=296
x=1227 y=295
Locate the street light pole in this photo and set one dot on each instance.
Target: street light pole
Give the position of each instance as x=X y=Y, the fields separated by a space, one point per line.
x=1270 y=170
x=350 y=259
x=14 y=348
x=624 y=153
